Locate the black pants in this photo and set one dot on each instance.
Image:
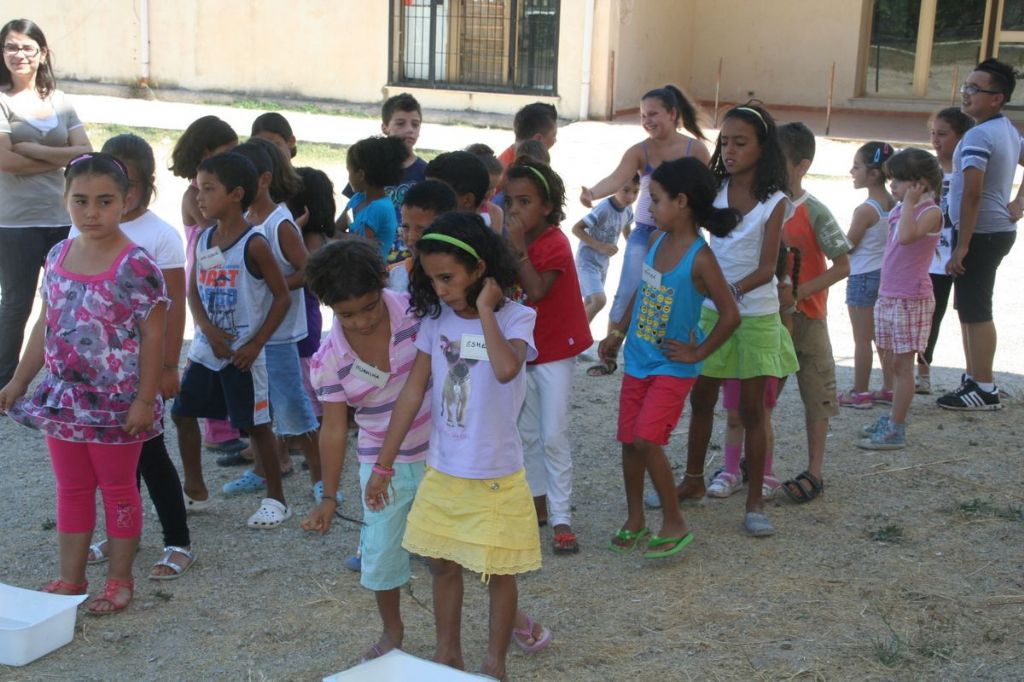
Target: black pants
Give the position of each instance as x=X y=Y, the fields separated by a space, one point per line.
x=156 y=468
x=941 y=284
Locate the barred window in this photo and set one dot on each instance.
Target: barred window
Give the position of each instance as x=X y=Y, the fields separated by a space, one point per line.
x=496 y=45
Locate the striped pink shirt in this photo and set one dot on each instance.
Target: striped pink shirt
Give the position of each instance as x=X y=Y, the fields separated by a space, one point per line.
x=334 y=381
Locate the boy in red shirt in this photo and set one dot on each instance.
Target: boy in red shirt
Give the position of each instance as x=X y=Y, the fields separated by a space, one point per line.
x=813 y=231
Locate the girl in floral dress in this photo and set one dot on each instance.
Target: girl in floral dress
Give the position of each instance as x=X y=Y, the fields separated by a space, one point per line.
x=100 y=337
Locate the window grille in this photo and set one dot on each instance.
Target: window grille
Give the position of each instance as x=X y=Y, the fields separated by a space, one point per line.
x=496 y=45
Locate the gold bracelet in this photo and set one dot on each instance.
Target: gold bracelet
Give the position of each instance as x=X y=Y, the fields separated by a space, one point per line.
x=617 y=333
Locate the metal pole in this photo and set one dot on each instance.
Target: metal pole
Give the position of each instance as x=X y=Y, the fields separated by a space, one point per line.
x=718 y=87
x=828 y=106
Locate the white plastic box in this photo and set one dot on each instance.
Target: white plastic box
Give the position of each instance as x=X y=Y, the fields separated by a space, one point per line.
x=32 y=624
x=398 y=666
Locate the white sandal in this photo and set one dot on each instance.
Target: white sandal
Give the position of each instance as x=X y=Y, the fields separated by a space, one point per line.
x=165 y=560
x=194 y=506
x=97 y=551
x=271 y=514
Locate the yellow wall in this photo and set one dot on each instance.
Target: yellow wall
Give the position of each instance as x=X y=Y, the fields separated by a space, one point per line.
x=655 y=44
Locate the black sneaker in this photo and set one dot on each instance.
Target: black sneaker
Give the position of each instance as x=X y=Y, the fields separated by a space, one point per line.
x=970 y=398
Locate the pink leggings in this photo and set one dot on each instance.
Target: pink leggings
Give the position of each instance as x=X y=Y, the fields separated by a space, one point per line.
x=80 y=468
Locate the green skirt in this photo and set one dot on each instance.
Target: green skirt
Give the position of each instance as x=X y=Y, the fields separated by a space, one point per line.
x=760 y=347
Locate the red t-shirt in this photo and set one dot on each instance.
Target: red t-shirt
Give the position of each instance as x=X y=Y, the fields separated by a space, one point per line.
x=508 y=156
x=562 y=330
x=814 y=231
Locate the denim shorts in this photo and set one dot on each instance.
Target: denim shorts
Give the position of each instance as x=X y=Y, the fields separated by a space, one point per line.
x=592 y=269
x=862 y=289
x=289 y=403
x=385 y=562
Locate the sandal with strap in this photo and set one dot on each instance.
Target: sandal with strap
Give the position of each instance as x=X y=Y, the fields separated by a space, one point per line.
x=625 y=541
x=96 y=555
x=68 y=588
x=165 y=560
x=602 y=369
x=565 y=543
x=110 y=596
x=798 y=492
x=523 y=636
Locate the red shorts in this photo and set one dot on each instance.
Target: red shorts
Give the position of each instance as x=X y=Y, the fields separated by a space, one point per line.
x=731 y=393
x=650 y=408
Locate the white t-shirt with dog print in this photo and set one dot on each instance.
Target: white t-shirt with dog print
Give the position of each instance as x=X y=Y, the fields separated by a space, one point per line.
x=475 y=433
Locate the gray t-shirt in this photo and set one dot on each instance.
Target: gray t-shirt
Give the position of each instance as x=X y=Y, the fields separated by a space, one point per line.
x=994 y=147
x=35 y=200
x=605 y=223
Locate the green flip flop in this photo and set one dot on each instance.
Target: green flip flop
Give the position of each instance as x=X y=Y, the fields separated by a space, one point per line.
x=675 y=546
x=627 y=536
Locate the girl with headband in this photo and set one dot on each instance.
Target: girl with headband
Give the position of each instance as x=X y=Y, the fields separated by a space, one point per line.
x=534 y=197
x=869 y=231
x=472 y=509
x=663 y=111
x=751 y=174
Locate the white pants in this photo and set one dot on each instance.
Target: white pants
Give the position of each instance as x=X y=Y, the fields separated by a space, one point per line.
x=544 y=428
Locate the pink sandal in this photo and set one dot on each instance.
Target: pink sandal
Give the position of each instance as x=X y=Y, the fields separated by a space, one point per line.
x=110 y=596
x=522 y=637
x=69 y=588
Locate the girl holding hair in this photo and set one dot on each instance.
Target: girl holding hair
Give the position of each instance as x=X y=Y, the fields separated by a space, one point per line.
x=903 y=312
x=947 y=127
x=534 y=197
x=868 y=233
x=662 y=112
x=203 y=138
x=751 y=172
x=472 y=509
x=665 y=344
x=373 y=164
x=100 y=335
x=163 y=243
x=39 y=133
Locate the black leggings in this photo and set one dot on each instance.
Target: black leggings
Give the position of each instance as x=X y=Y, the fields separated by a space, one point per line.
x=156 y=468
x=941 y=284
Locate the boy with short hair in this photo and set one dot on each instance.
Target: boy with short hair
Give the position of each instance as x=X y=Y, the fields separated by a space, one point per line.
x=423 y=203
x=466 y=174
x=238 y=298
x=815 y=233
x=598 y=233
x=536 y=121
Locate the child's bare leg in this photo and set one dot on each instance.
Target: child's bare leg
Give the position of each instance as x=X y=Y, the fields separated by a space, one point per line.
x=702 y=418
x=752 y=415
x=74 y=551
x=656 y=463
x=389 y=608
x=190 y=449
x=264 y=445
x=309 y=443
x=887 y=369
x=447 y=587
x=593 y=305
x=903 y=375
x=504 y=594
x=633 y=470
x=863 y=322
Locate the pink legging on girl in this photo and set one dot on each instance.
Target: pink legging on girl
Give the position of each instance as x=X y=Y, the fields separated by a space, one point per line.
x=82 y=467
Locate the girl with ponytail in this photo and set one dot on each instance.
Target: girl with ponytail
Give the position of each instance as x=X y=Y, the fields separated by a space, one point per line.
x=665 y=345
x=662 y=112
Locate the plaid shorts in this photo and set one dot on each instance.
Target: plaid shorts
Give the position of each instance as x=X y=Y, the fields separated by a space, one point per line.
x=902 y=325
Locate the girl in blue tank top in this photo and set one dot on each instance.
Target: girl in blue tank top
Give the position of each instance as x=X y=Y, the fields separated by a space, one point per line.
x=664 y=343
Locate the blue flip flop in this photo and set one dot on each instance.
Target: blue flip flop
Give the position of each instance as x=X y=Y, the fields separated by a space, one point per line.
x=675 y=546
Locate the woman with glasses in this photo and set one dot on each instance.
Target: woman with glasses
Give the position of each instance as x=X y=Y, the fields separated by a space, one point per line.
x=39 y=134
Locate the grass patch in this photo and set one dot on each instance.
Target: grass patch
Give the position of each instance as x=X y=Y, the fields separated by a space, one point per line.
x=891 y=534
x=48 y=524
x=978 y=508
x=163 y=596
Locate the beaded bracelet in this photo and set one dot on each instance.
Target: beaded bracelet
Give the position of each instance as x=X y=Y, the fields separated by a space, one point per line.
x=617 y=333
x=386 y=472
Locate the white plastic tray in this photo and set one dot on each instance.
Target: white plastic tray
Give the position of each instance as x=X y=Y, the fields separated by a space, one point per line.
x=32 y=624
x=398 y=666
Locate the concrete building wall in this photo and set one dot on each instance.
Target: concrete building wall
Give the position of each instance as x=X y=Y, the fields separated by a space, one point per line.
x=655 y=47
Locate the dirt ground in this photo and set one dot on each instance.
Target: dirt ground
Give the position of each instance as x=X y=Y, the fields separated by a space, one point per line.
x=909 y=567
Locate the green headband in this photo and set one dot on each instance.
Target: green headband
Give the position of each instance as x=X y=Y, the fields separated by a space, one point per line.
x=755 y=112
x=543 y=180
x=455 y=241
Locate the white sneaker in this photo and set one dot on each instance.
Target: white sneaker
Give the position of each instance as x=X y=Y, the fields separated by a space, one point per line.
x=725 y=484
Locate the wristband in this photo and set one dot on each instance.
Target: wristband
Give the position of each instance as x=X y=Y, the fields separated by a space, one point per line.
x=617 y=333
x=386 y=472
x=737 y=293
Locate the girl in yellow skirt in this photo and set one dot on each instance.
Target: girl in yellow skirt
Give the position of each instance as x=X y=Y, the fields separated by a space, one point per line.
x=473 y=509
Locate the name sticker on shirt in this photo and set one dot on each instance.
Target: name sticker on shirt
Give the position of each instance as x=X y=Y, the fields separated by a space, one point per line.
x=473 y=347
x=370 y=374
x=211 y=258
x=651 y=277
